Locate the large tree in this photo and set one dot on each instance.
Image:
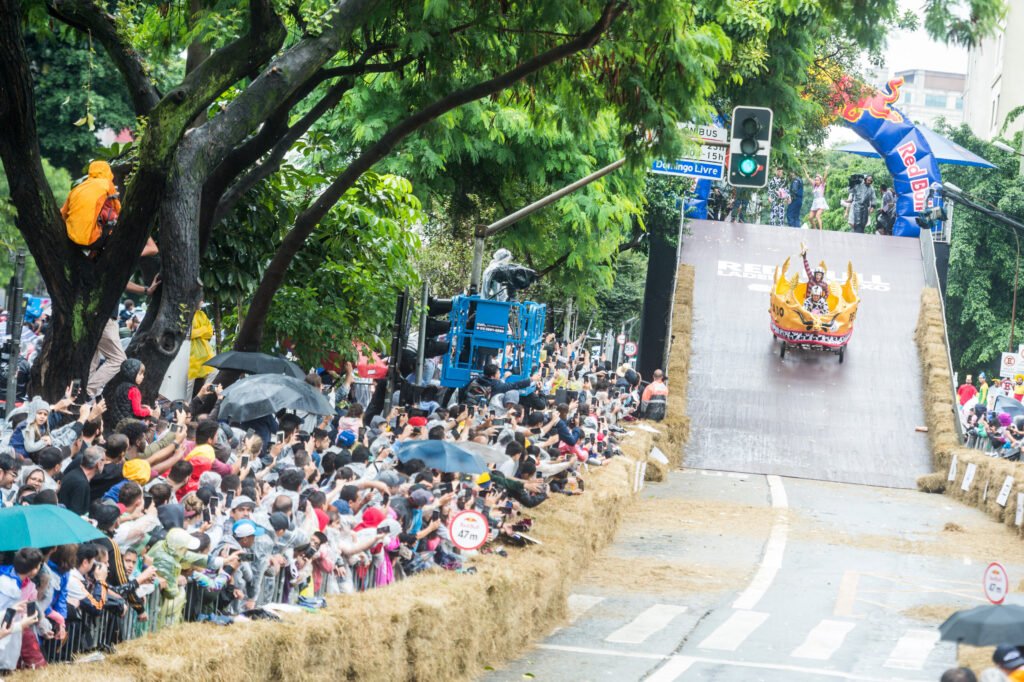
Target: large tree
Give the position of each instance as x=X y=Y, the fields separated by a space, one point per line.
x=261 y=74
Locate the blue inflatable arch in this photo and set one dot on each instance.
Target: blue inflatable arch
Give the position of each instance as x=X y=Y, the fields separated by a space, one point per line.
x=903 y=147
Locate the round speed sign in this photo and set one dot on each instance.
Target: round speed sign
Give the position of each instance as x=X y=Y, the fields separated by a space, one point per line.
x=996 y=583
x=468 y=530
x=630 y=349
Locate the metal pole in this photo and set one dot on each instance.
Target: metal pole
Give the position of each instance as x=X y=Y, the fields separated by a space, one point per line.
x=421 y=345
x=396 y=350
x=496 y=227
x=478 y=259
x=567 y=325
x=16 y=315
x=1016 y=276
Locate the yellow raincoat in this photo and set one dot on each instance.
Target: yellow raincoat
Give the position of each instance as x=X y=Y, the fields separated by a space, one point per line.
x=82 y=208
x=201 y=350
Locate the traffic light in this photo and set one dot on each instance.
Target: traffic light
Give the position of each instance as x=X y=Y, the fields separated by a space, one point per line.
x=750 y=146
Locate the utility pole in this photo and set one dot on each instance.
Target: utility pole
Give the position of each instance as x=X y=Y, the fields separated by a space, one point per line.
x=14 y=318
x=483 y=231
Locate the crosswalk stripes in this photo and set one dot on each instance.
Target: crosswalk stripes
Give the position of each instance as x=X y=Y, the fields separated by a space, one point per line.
x=646 y=624
x=912 y=649
x=734 y=631
x=823 y=640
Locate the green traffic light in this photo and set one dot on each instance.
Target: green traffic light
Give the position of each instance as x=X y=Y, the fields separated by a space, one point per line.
x=748 y=166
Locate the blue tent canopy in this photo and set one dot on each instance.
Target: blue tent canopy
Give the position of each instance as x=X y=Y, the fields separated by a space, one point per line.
x=944 y=150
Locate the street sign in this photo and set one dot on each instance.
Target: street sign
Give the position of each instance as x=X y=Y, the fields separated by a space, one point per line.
x=620 y=339
x=708 y=133
x=468 y=530
x=995 y=583
x=630 y=349
x=690 y=168
x=1010 y=364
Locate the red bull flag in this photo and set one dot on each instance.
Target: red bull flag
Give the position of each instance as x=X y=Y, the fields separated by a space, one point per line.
x=902 y=146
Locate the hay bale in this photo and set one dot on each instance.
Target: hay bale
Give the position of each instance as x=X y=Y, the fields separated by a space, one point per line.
x=932 y=483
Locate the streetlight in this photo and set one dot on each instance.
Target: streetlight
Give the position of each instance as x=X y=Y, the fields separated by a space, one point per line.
x=1003 y=147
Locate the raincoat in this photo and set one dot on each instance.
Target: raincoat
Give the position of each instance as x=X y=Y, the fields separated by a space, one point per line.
x=201 y=350
x=82 y=208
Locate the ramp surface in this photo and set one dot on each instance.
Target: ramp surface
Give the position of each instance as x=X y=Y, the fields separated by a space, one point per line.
x=806 y=415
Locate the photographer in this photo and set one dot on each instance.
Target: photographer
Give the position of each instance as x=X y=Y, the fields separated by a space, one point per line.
x=239 y=546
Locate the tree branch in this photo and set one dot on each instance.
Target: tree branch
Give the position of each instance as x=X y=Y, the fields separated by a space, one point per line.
x=251 y=331
x=623 y=247
x=89 y=17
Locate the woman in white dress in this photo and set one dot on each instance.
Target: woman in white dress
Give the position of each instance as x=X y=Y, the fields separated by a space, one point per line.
x=819 y=205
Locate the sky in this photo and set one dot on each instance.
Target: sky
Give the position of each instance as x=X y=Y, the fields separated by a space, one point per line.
x=915 y=50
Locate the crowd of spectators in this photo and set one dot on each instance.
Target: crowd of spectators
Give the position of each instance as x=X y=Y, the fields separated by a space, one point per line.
x=208 y=520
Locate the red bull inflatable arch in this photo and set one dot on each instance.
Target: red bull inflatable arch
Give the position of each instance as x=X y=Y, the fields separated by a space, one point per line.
x=902 y=146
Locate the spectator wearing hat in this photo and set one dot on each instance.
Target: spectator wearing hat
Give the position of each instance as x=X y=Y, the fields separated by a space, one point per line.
x=1010 y=662
x=170 y=555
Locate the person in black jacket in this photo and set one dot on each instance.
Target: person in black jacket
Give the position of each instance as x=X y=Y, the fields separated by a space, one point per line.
x=74 y=491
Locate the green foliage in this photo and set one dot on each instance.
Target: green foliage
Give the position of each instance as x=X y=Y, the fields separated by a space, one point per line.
x=10 y=237
x=983 y=258
x=342 y=286
x=73 y=84
x=624 y=298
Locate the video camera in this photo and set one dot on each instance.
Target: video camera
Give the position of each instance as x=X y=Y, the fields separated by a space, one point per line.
x=855 y=180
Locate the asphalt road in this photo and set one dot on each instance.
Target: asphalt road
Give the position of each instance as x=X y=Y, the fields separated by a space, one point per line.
x=774 y=579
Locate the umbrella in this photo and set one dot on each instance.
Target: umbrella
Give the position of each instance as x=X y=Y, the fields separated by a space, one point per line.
x=943 y=149
x=985 y=625
x=489 y=454
x=442 y=455
x=1010 y=406
x=258 y=395
x=256 y=363
x=42 y=525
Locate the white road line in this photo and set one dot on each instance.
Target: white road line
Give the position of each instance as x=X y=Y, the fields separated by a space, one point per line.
x=912 y=649
x=733 y=632
x=646 y=624
x=776 y=547
x=818 y=672
x=779 y=498
x=824 y=640
x=673 y=668
x=580 y=604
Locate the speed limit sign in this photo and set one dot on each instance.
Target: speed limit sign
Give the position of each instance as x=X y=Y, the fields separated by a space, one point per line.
x=468 y=530
x=630 y=349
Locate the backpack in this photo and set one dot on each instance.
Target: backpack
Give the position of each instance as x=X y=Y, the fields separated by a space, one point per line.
x=477 y=392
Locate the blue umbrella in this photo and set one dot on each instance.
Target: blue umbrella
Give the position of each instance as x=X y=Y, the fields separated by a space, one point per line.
x=943 y=149
x=42 y=525
x=442 y=455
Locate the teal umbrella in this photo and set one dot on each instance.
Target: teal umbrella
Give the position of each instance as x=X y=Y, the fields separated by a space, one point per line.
x=42 y=525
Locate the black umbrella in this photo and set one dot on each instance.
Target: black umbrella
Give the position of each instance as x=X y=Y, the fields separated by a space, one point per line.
x=985 y=625
x=1010 y=406
x=258 y=395
x=255 y=363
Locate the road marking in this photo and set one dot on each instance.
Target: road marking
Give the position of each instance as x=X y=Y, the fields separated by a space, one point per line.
x=806 y=670
x=673 y=668
x=779 y=498
x=824 y=640
x=771 y=562
x=912 y=649
x=646 y=624
x=580 y=604
x=733 y=632
x=847 y=594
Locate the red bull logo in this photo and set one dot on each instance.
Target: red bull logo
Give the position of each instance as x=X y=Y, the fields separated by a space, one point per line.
x=878 y=104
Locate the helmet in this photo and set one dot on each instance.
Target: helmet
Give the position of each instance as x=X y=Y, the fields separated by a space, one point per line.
x=818 y=271
x=817 y=291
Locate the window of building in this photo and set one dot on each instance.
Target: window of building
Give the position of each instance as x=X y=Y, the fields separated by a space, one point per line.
x=959 y=103
x=935 y=101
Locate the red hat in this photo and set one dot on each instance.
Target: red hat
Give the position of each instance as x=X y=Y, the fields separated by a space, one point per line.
x=417 y=421
x=372 y=518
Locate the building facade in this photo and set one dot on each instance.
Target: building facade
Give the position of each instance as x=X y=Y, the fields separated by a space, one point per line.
x=994 y=88
x=927 y=96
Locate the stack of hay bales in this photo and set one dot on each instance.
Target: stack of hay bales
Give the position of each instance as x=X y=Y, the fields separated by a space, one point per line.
x=940 y=413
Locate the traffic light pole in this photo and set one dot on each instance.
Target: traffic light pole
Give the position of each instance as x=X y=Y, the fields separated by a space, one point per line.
x=484 y=231
x=14 y=319
x=421 y=343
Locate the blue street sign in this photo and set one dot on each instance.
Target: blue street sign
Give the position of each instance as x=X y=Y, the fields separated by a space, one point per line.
x=689 y=168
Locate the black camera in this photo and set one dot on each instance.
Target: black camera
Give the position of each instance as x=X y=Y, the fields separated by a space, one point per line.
x=247 y=556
